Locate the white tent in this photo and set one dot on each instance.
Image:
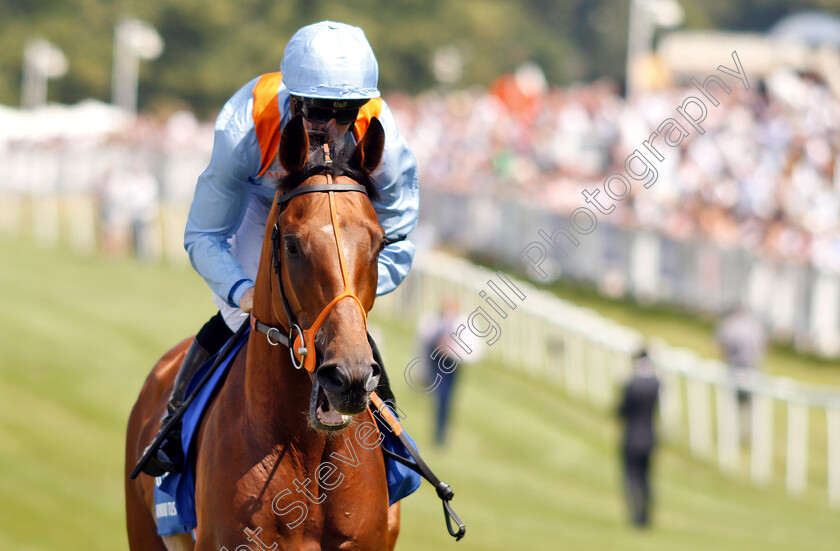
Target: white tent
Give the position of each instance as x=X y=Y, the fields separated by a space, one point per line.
x=87 y=119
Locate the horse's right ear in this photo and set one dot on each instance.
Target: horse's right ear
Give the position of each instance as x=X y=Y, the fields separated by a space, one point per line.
x=294 y=146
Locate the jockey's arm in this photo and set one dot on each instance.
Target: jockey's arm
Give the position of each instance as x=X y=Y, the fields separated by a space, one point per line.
x=221 y=199
x=398 y=204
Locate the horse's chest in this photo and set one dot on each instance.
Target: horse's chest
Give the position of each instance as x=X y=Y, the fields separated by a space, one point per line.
x=339 y=503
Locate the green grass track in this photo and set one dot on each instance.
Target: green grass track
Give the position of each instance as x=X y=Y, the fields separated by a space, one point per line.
x=531 y=469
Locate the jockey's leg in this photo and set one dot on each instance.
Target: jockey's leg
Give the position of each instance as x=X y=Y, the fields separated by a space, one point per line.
x=170 y=456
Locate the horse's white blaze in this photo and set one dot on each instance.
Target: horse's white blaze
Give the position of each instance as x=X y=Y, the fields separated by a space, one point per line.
x=328 y=229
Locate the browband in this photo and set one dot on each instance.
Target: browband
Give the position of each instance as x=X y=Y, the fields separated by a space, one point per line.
x=321 y=187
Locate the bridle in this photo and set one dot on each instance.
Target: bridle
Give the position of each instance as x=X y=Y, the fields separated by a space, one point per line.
x=301 y=342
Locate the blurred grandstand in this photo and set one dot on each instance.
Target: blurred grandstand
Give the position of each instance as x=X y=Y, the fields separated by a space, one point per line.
x=747 y=212
x=749 y=209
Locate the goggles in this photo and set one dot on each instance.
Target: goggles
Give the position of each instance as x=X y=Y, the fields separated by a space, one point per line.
x=322 y=111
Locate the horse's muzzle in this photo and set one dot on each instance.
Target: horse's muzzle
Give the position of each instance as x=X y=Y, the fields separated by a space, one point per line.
x=348 y=388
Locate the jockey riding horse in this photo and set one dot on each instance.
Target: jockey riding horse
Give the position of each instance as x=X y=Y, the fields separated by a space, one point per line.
x=328 y=76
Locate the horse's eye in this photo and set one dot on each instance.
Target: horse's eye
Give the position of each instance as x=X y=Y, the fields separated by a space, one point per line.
x=291 y=246
x=383 y=243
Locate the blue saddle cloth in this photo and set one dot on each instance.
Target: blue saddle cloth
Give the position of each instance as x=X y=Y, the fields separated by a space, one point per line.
x=175 y=492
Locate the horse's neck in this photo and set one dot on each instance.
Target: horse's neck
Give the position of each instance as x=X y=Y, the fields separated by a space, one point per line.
x=276 y=394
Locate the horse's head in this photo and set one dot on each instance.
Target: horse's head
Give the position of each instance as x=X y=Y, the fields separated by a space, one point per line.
x=327 y=245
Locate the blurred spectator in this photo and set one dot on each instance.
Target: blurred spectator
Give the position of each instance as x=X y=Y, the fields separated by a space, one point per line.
x=442 y=363
x=742 y=341
x=129 y=207
x=638 y=402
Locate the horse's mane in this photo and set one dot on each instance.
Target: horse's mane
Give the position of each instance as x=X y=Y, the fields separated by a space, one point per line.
x=340 y=152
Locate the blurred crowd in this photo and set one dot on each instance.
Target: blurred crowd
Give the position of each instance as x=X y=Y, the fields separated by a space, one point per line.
x=762 y=176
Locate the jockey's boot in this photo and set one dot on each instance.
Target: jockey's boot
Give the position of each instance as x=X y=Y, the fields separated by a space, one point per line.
x=169 y=456
x=383 y=389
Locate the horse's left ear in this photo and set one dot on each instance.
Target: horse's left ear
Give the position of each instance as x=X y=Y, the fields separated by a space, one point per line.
x=368 y=152
x=294 y=146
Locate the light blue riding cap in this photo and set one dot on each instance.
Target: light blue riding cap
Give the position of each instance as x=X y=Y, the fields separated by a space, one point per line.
x=329 y=60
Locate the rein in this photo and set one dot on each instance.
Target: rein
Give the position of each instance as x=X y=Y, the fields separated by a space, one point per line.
x=444 y=491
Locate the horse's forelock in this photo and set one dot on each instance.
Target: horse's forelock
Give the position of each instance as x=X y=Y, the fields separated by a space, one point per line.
x=340 y=152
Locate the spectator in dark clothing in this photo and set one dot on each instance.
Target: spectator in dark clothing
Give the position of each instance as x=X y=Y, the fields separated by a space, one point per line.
x=636 y=411
x=443 y=393
x=442 y=365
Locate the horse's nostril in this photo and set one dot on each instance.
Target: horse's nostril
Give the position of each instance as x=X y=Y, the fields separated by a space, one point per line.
x=330 y=377
x=375 y=370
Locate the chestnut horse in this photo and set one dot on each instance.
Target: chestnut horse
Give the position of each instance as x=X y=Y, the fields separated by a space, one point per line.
x=269 y=430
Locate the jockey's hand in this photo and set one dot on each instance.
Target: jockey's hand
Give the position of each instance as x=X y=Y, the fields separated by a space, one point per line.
x=247 y=300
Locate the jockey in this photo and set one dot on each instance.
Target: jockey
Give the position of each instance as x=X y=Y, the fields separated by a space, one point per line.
x=329 y=76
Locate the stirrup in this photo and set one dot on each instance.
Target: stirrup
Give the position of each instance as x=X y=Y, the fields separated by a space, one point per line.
x=160 y=463
x=166 y=460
